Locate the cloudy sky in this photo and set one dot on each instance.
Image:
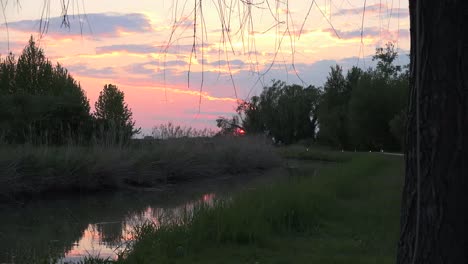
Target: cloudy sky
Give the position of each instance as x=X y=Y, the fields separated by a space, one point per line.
x=148 y=49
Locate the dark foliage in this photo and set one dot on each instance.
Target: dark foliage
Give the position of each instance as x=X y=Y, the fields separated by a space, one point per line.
x=43 y=104
x=113 y=117
x=287 y=113
x=366 y=109
x=359 y=110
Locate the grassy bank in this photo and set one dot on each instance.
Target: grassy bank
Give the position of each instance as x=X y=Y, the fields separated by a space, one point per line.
x=32 y=170
x=347 y=213
x=314 y=153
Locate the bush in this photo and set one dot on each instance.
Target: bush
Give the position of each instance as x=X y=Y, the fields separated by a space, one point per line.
x=30 y=170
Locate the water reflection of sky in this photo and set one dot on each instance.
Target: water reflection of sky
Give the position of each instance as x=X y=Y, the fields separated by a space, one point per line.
x=108 y=239
x=72 y=227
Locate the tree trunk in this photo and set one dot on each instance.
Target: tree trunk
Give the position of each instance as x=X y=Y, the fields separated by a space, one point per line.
x=434 y=215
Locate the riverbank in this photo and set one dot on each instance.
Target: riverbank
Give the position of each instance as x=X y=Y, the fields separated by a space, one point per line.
x=72 y=227
x=346 y=213
x=30 y=171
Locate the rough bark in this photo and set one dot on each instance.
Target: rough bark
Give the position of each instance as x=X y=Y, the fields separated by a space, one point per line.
x=434 y=215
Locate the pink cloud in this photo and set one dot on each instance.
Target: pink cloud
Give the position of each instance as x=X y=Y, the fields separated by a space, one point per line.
x=373 y=33
x=373 y=10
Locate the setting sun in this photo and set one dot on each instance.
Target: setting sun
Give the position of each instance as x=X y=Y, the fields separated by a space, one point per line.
x=152 y=45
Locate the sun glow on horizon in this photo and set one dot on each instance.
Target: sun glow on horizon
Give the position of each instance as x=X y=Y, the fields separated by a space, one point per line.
x=149 y=51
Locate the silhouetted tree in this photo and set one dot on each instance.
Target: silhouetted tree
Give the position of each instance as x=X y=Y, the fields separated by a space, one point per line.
x=333 y=109
x=375 y=101
x=33 y=70
x=228 y=126
x=40 y=103
x=113 y=116
x=363 y=109
x=251 y=116
x=7 y=75
x=286 y=112
x=385 y=58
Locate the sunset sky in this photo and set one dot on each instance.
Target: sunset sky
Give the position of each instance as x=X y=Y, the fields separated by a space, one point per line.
x=144 y=47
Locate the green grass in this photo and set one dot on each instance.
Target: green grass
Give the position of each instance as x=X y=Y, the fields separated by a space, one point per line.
x=316 y=153
x=347 y=213
x=28 y=170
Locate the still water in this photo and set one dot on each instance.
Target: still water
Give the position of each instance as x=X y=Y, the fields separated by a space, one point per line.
x=70 y=228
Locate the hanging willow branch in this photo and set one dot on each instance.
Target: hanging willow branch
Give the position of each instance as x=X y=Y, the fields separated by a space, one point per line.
x=235 y=18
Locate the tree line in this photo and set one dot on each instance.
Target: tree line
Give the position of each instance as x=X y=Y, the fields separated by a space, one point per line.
x=43 y=104
x=356 y=110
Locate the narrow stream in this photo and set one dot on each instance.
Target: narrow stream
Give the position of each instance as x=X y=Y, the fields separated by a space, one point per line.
x=107 y=239
x=70 y=228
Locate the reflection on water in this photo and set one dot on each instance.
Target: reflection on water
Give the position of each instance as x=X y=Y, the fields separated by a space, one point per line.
x=69 y=230
x=93 y=242
x=107 y=239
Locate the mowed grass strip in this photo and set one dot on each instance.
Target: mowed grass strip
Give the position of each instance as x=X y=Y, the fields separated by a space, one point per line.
x=346 y=213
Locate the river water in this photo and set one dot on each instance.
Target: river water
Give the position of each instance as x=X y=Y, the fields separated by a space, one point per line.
x=70 y=228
